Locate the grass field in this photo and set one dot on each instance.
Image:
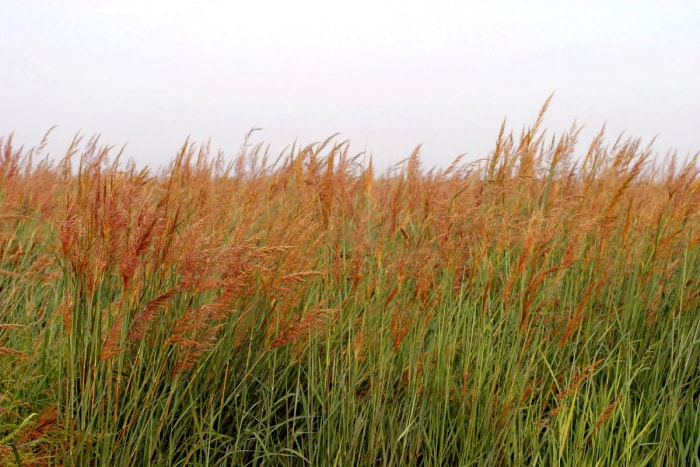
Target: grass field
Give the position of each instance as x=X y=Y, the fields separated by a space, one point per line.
x=531 y=308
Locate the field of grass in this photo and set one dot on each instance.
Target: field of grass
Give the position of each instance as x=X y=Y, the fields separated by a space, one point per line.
x=531 y=308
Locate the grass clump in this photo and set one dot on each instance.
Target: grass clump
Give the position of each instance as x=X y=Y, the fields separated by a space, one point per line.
x=528 y=309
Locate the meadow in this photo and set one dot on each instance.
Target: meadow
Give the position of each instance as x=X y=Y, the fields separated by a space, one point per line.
x=530 y=308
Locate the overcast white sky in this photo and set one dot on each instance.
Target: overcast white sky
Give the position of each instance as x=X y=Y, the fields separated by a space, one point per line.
x=386 y=74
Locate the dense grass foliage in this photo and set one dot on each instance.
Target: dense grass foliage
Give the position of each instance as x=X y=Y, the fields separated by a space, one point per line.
x=533 y=308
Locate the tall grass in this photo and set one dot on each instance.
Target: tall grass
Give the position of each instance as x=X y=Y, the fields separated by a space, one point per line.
x=531 y=308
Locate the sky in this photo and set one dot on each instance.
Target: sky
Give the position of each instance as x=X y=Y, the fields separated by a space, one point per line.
x=387 y=75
